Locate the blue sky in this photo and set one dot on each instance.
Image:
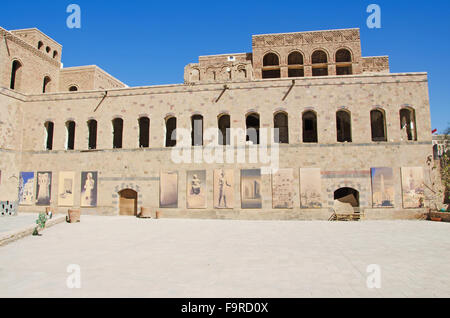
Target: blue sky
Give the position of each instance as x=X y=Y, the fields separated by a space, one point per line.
x=145 y=42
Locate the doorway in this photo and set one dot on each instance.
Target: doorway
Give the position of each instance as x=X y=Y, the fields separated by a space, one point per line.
x=128 y=202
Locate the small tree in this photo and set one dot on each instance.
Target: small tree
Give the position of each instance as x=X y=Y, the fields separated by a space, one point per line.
x=445 y=167
x=42 y=219
x=439 y=185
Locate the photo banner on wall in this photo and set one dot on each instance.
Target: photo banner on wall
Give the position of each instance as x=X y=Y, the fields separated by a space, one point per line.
x=310 y=188
x=383 y=192
x=89 y=189
x=223 y=189
x=251 y=197
x=43 y=188
x=413 y=187
x=66 y=188
x=168 y=190
x=283 y=189
x=196 y=190
x=26 y=188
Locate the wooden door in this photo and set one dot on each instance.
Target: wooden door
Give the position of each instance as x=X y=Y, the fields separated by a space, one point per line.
x=128 y=202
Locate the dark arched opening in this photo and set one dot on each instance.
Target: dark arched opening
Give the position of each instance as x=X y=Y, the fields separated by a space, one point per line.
x=252 y=124
x=117 y=133
x=271 y=66
x=92 y=129
x=378 y=125
x=309 y=120
x=343 y=126
x=171 y=132
x=281 y=123
x=347 y=195
x=224 y=122
x=144 y=132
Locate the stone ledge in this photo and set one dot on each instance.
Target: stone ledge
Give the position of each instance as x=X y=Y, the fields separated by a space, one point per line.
x=15 y=235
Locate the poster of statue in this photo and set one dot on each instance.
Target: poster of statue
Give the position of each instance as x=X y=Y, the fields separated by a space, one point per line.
x=310 y=188
x=26 y=188
x=383 y=192
x=43 y=188
x=413 y=187
x=223 y=189
x=251 y=189
x=89 y=186
x=196 y=190
x=168 y=190
x=283 y=189
x=65 y=188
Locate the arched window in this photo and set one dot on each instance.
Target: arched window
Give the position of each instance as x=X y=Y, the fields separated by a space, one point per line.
x=408 y=124
x=117 y=133
x=70 y=126
x=344 y=126
x=295 y=65
x=280 y=121
x=55 y=54
x=73 y=88
x=92 y=129
x=16 y=73
x=378 y=125
x=46 y=84
x=40 y=45
x=144 y=132
x=271 y=66
x=224 y=130
x=309 y=121
x=343 y=62
x=171 y=132
x=252 y=124
x=319 y=63
x=48 y=49
x=197 y=130
x=49 y=128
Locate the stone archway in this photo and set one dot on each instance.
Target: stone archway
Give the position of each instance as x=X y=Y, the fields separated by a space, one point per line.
x=128 y=200
x=348 y=195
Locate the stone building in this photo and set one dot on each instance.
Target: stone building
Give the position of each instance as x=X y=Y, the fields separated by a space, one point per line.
x=81 y=138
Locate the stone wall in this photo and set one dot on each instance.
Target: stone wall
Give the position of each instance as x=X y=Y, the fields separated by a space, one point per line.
x=10 y=143
x=36 y=64
x=342 y=165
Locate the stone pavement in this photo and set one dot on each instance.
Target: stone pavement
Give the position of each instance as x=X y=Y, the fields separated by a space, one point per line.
x=128 y=257
x=13 y=228
x=11 y=223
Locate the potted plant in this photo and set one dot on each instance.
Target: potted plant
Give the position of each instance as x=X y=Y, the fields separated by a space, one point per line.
x=42 y=219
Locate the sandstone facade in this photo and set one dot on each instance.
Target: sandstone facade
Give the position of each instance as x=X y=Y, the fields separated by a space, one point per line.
x=232 y=84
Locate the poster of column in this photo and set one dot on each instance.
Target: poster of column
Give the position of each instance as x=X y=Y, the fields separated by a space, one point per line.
x=383 y=192
x=251 y=189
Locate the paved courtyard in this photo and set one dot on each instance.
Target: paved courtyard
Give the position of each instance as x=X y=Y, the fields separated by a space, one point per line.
x=128 y=257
